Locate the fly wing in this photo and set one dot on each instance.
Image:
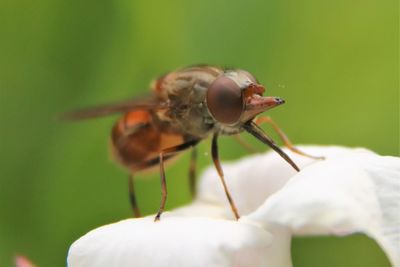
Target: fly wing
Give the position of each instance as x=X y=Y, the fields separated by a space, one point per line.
x=150 y=102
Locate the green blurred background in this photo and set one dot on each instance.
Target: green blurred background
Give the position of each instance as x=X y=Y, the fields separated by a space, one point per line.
x=335 y=62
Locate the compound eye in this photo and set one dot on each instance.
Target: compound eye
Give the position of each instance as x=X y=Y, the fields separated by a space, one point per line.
x=225 y=100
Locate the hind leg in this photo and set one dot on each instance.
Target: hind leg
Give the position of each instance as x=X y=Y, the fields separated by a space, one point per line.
x=132 y=197
x=192 y=172
x=162 y=155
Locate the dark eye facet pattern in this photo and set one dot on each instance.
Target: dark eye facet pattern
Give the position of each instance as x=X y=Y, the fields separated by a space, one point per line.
x=224 y=100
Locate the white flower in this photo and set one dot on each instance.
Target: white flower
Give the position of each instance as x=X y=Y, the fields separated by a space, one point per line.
x=353 y=190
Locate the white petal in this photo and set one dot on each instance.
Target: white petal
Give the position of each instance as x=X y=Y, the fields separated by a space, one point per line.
x=351 y=191
x=253 y=179
x=355 y=192
x=199 y=209
x=174 y=241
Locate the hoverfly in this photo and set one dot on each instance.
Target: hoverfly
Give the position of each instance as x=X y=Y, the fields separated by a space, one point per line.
x=185 y=107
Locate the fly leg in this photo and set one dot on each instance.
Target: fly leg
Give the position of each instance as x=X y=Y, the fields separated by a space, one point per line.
x=164 y=153
x=192 y=172
x=214 y=152
x=283 y=137
x=244 y=144
x=132 y=197
x=252 y=128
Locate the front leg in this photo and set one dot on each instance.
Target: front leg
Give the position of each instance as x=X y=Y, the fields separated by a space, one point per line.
x=252 y=128
x=283 y=136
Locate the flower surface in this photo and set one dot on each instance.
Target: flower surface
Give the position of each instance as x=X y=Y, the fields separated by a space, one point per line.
x=353 y=190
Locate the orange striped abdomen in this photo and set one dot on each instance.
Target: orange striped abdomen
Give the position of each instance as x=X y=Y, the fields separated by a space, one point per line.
x=137 y=140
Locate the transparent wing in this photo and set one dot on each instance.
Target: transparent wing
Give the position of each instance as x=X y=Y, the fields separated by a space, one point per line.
x=150 y=102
